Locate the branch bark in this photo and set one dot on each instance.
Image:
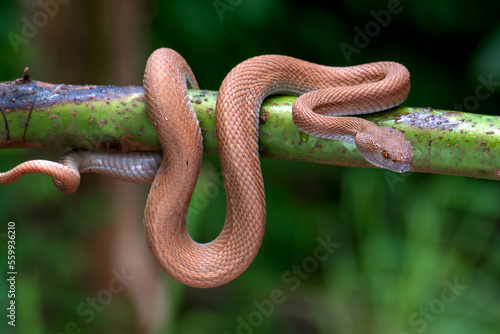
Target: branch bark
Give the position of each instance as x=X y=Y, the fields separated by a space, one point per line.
x=36 y=114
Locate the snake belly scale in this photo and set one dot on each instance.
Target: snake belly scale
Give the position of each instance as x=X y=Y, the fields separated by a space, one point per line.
x=323 y=92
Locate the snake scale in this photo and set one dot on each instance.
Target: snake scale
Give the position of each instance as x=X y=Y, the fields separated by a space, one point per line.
x=323 y=92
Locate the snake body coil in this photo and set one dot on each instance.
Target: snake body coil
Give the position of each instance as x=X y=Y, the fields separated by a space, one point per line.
x=327 y=91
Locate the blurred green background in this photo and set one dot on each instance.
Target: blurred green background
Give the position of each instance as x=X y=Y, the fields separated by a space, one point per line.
x=413 y=253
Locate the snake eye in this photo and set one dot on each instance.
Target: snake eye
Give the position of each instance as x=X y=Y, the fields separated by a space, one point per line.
x=386 y=154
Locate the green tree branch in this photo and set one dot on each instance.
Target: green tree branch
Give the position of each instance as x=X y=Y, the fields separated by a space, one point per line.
x=114 y=119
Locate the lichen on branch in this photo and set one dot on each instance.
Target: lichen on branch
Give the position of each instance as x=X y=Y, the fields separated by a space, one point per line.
x=36 y=114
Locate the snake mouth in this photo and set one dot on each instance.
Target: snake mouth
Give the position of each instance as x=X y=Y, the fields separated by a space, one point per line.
x=404 y=169
x=394 y=161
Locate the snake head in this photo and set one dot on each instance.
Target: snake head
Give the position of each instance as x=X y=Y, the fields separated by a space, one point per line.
x=385 y=148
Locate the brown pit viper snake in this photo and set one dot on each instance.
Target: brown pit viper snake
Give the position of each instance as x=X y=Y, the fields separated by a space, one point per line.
x=327 y=91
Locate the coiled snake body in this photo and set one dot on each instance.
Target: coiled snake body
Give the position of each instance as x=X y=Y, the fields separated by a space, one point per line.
x=327 y=91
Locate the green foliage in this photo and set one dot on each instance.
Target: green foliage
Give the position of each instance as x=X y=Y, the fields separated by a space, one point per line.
x=398 y=248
